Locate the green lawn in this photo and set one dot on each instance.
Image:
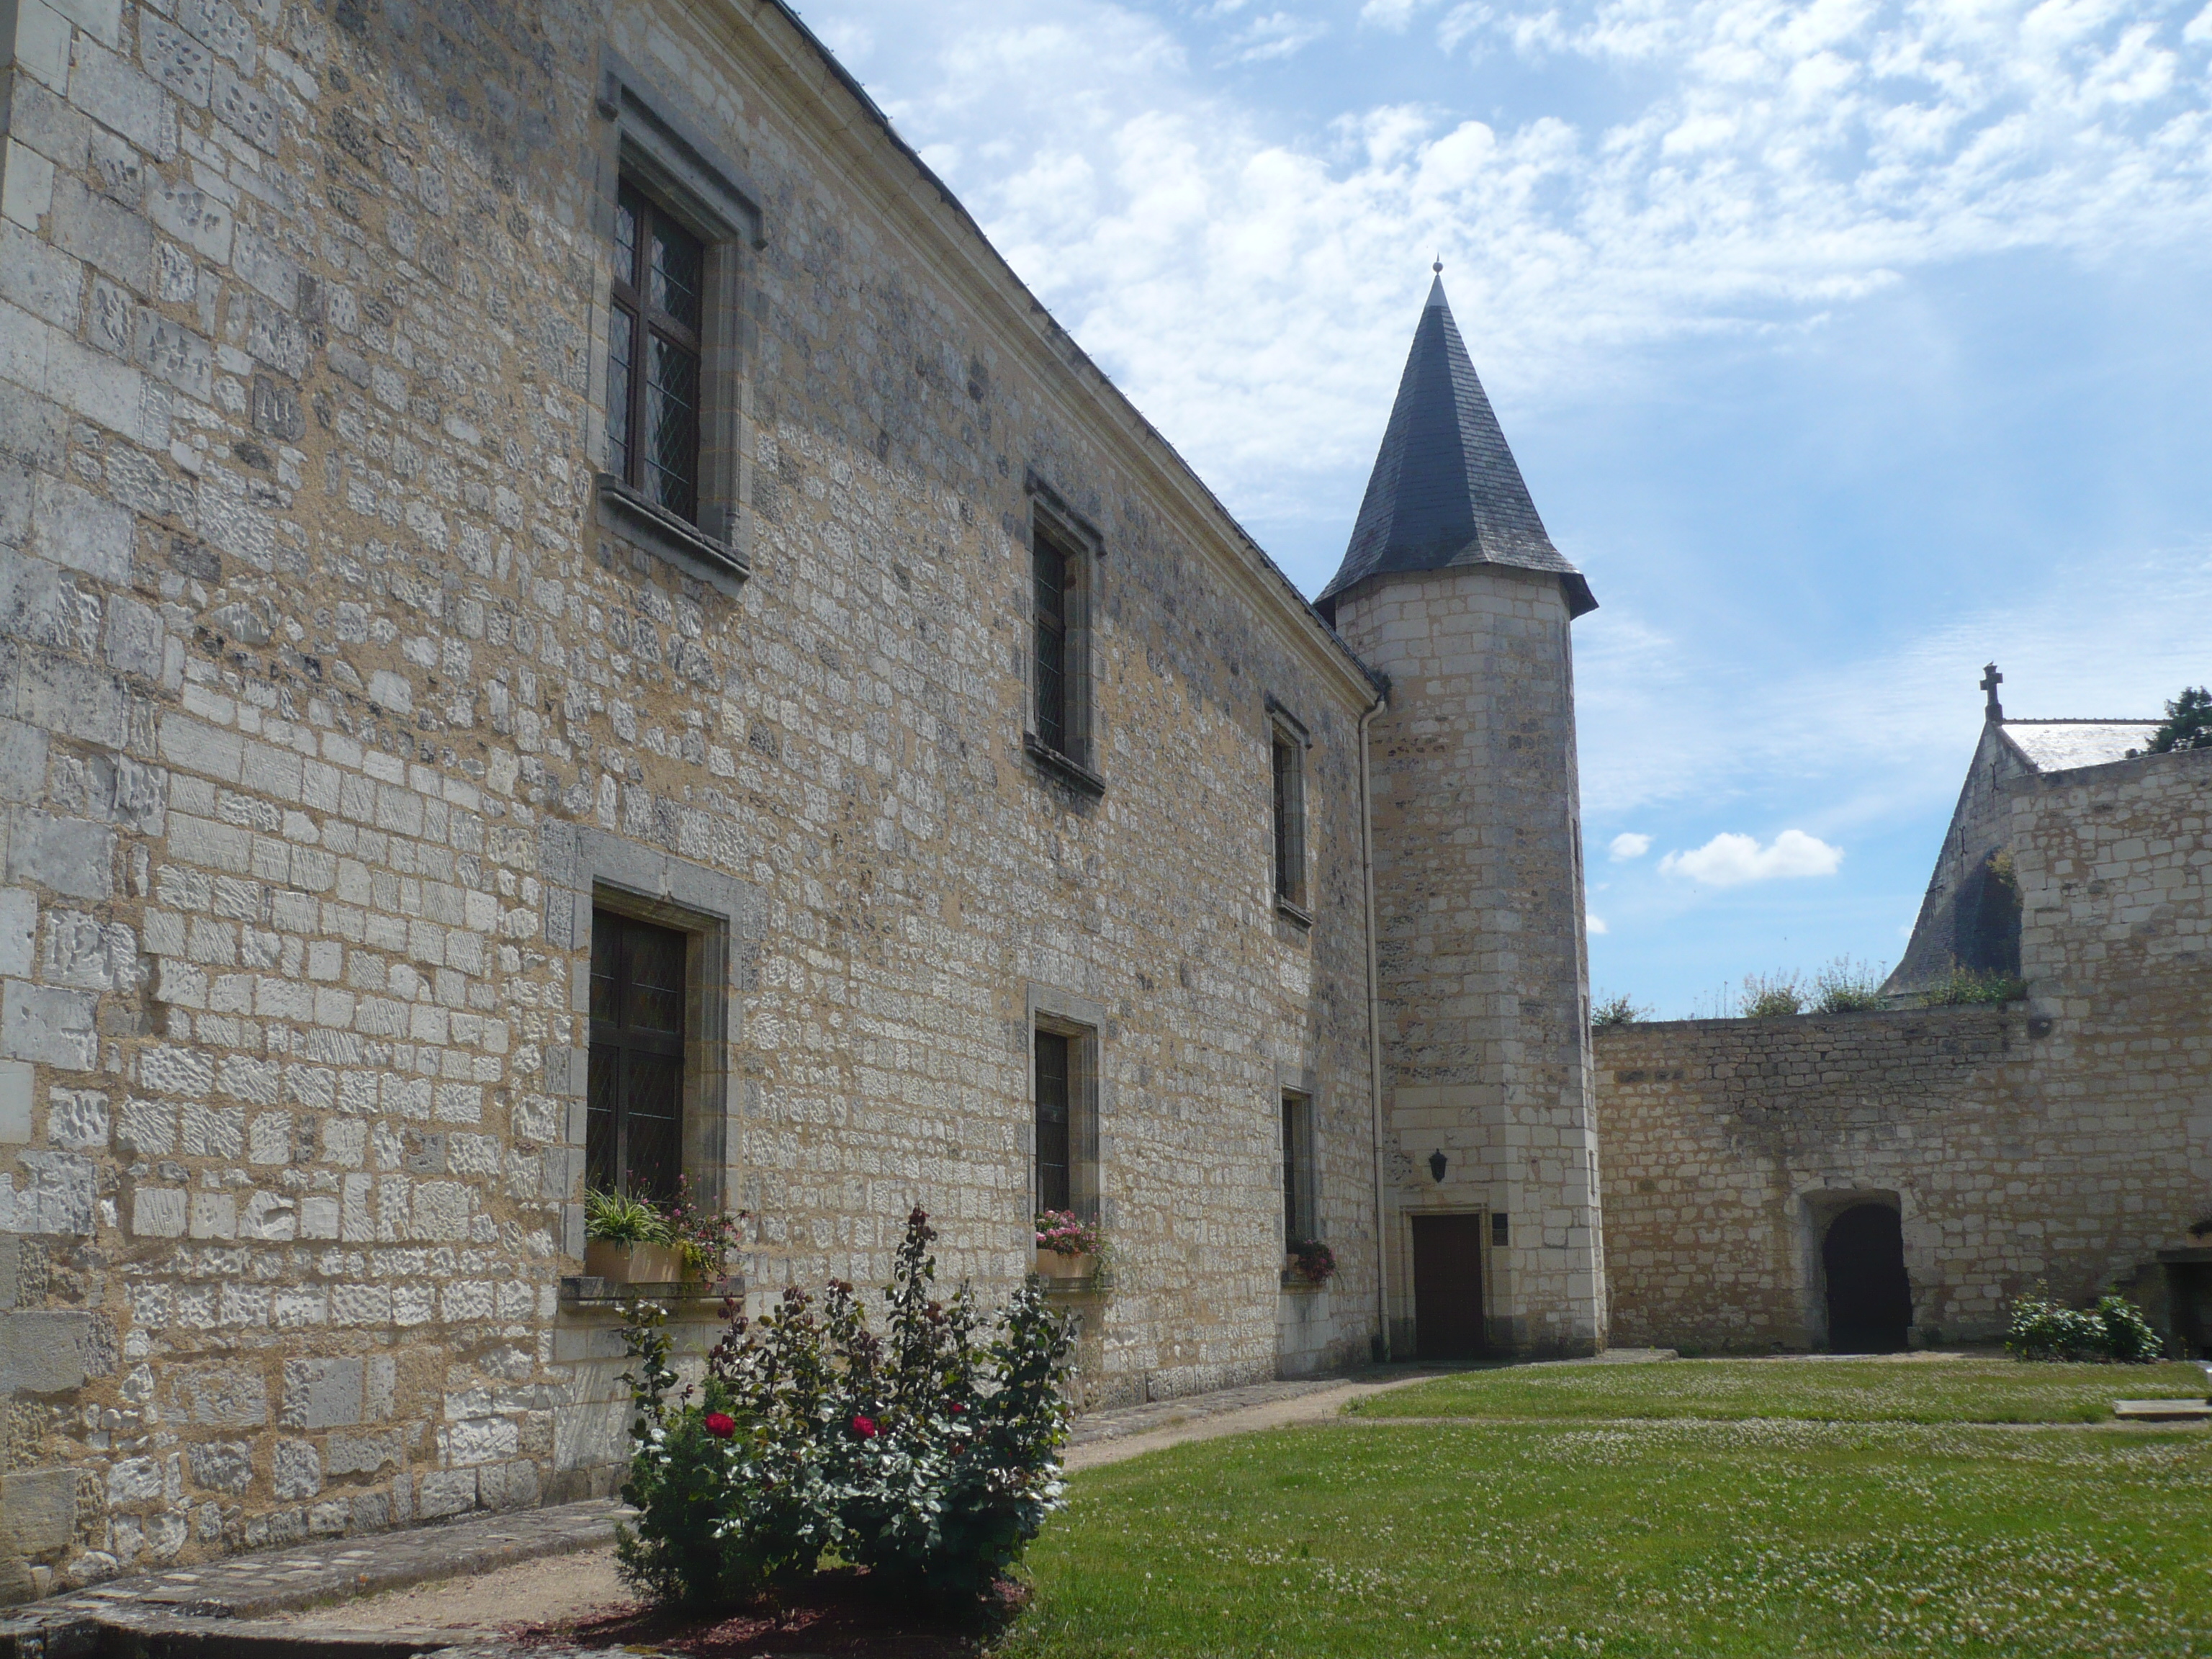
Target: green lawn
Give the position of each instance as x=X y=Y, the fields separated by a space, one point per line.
x=1698 y=1536
x=1996 y=1389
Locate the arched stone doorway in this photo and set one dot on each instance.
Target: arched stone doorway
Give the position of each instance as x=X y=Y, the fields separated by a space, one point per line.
x=1869 y=1297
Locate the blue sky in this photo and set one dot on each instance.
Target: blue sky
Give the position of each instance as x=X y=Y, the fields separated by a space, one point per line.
x=1846 y=346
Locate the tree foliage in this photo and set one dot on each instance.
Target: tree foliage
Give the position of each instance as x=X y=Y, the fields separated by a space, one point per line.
x=2188 y=722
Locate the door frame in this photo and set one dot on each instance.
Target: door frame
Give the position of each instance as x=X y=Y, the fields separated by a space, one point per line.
x=1485 y=1278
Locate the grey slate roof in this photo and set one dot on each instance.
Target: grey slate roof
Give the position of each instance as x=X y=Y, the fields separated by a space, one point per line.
x=1445 y=490
x=2065 y=745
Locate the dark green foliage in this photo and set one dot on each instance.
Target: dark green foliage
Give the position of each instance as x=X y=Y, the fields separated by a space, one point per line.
x=2188 y=722
x=928 y=1457
x=1616 y=1010
x=2114 y=1330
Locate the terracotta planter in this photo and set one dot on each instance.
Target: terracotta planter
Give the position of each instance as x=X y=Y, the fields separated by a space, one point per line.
x=1051 y=1264
x=633 y=1264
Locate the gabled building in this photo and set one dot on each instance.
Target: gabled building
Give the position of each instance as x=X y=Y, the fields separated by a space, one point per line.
x=566 y=623
x=1970 y=920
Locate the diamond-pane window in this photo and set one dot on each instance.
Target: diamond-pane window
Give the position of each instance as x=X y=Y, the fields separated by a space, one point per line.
x=653 y=354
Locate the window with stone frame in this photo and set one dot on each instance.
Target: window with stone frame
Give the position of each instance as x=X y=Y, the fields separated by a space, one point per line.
x=1064 y=1168
x=654 y=342
x=1060 y=707
x=1301 y=1211
x=633 y=1138
x=679 y=219
x=1287 y=743
x=1287 y=761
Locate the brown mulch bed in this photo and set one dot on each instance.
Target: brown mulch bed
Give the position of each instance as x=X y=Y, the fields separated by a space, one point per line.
x=838 y=1615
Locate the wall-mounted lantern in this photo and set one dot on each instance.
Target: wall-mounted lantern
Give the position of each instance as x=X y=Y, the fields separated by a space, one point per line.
x=1437 y=1161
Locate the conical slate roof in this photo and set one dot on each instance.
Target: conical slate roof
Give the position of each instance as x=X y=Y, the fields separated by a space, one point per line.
x=1445 y=490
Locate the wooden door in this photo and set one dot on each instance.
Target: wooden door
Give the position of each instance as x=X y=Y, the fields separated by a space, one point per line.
x=1448 y=1287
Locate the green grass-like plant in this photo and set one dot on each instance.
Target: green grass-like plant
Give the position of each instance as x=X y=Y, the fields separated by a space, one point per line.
x=1772 y=996
x=1844 y=986
x=619 y=1219
x=1967 y=988
x=1743 y=1539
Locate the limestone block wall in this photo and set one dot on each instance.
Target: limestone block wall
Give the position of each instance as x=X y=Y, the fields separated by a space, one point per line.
x=315 y=659
x=1480 y=926
x=2067 y=1139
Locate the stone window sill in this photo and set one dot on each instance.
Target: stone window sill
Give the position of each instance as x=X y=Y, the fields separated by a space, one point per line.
x=1296 y=913
x=582 y=1290
x=631 y=515
x=1070 y=772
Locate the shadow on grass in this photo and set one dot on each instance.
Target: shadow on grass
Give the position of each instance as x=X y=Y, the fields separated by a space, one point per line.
x=839 y=1613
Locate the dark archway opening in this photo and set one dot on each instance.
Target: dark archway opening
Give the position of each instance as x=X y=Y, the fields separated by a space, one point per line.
x=1869 y=1297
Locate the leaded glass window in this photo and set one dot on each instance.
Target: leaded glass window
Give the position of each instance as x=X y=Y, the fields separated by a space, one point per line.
x=653 y=354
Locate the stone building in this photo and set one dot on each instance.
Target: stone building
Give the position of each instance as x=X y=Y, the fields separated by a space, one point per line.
x=565 y=619
x=1452 y=590
x=1865 y=1180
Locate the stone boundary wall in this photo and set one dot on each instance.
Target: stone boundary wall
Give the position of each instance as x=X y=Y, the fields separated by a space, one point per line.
x=2067 y=1139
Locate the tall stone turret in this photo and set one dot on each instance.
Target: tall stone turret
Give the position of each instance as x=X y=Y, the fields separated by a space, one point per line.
x=1452 y=589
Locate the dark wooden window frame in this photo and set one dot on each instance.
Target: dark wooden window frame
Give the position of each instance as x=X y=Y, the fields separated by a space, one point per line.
x=633 y=1060
x=638 y=315
x=1301 y=1185
x=1060 y=589
x=1055 y=1014
x=667 y=153
x=1287 y=743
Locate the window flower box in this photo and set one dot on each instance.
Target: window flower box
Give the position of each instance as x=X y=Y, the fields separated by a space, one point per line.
x=1064 y=1267
x=630 y=1263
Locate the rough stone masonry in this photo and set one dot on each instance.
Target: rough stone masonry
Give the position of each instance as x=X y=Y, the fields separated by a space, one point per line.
x=340 y=690
x=359 y=682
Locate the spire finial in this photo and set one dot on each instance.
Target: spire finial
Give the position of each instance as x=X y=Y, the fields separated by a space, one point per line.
x=1991 y=680
x=1439 y=266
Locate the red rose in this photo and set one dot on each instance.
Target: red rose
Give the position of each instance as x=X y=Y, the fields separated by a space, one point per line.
x=721 y=1424
x=955 y=1408
x=864 y=1427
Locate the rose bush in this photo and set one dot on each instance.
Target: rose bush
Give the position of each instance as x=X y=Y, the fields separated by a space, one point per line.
x=929 y=1455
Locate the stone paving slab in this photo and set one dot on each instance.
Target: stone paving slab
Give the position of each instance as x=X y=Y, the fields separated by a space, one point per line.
x=161 y=1612
x=1149 y=1419
x=1094 y=1426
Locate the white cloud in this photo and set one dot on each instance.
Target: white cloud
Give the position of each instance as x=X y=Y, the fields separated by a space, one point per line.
x=1245 y=281
x=1595 y=924
x=1278 y=35
x=1729 y=860
x=1661 y=718
x=1630 y=845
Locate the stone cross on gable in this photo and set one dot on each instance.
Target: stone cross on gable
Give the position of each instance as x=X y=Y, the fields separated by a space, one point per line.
x=1991 y=680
